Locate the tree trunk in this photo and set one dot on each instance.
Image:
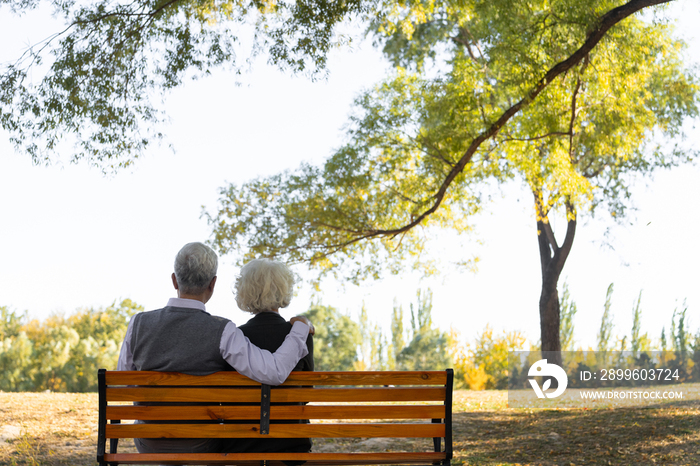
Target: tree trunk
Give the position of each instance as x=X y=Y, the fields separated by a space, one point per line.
x=552 y=259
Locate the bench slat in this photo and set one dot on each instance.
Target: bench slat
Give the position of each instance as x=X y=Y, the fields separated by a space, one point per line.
x=295 y=378
x=359 y=394
x=276 y=412
x=252 y=395
x=184 y=394
x=276 y=430
x=275 y=459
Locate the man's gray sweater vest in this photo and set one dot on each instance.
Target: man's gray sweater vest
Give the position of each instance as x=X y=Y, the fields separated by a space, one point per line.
x=178 y=340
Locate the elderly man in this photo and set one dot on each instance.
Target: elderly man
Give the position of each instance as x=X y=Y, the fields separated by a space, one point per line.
x=183 y=337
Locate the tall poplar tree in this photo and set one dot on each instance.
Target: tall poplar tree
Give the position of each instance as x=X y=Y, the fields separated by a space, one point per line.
x=566 y=328
x=604 y=337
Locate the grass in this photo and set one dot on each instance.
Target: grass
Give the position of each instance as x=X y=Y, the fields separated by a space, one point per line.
x=55 y=428
x=61 y=429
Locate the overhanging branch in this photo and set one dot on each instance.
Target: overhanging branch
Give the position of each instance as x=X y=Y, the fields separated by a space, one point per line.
x=609 y=20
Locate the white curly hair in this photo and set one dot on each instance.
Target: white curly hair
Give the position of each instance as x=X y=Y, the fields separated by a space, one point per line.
x=264 y=285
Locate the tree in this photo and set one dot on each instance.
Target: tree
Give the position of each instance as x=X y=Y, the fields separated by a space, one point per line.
x=577 y=151
x=373 y=347
x=680 y=339
x=16 y=363
x=398 y=341
x=61 y=353
x=101 y=332
x=462 y=362
x=427 y=351
x=606 y=324
x=695 y=371
x=53 y=342
x=336 y=339
x=100 y=77
x=514 y=90
x=105 y=324
x=663 y=342
x=566 y=329
x=15 y=352
x=10 y=322
x=428 y=348
x=488 y=363
x=639 y=341
x=422 y=316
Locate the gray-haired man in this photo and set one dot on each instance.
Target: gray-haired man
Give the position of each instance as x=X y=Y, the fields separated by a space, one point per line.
x=183 y=337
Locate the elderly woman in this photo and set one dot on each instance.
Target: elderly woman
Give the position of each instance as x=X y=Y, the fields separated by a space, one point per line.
x=263 y=288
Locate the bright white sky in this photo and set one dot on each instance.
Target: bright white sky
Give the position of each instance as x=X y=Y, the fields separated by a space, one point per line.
x=74 y=238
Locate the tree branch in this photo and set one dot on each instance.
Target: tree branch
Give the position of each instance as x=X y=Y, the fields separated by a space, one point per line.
x=545 y=236
x=46 y=42
x=150 y=14
x=563 y=253
x=543 y=225
x=609 y=20
x=537 y=138
x=573 y=110
x=549 y=233
x=458 y=39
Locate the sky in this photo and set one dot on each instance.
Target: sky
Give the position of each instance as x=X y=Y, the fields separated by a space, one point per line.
x=72 y=237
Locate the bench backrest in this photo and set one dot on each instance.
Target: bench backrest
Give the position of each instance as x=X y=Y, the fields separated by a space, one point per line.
x=377 y=404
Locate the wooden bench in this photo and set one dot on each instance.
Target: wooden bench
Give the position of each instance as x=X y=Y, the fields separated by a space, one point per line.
x=357 y=405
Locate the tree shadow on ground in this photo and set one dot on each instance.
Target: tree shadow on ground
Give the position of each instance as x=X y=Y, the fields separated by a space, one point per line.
x=667 y=434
